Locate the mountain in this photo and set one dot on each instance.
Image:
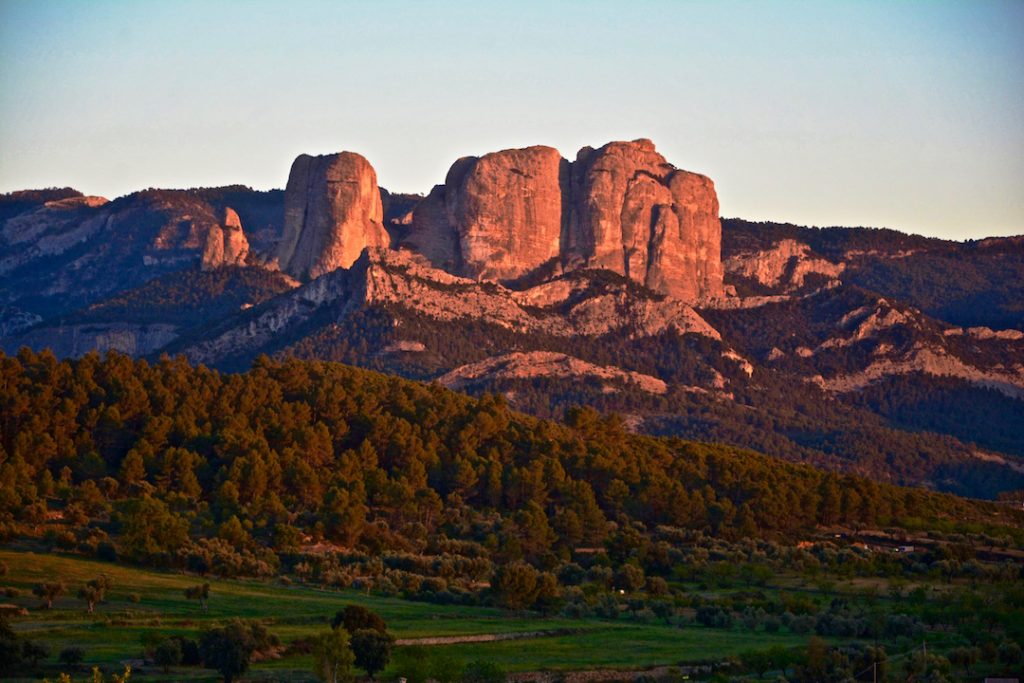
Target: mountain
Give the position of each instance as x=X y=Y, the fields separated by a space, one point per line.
x=60 y=255
x=972 y=284
x=513 y=214
x=607 y=281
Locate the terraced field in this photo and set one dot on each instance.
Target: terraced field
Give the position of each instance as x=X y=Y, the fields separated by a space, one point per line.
x=114 y=633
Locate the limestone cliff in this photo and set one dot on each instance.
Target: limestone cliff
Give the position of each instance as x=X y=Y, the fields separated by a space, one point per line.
x=621 y=208
x=498 y=217
x=567 y=307
x=637 y=215
x=226 y=244
x=784 y=267
x=332 y=212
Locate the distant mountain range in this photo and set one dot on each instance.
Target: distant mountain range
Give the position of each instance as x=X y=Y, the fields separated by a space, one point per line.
x=608 y=280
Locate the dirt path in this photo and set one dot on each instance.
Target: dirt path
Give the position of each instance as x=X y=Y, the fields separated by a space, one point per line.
x=488 y=637
x=608 y=675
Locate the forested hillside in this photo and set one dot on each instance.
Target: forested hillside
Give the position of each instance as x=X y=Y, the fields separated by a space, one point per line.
x=153 y=458
x=334 y=476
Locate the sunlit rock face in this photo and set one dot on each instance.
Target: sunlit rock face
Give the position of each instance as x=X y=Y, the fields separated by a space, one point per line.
x=332 y=212
x=226 y=244
x=636 y=214
x=622 y=208
x=497 y=217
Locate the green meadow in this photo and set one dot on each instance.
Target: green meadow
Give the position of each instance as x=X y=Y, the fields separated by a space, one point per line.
x=114 y=633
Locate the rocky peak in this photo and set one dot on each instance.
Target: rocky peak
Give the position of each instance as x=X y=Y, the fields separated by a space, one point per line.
x=497 y=217
x=622 y=207
x=226 y=244
x=637 y=215
x=333 y=211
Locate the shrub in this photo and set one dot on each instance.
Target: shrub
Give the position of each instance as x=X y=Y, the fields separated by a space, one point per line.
x=168 y=654
x=72 y=656
x=483 y=672
x=356 y=617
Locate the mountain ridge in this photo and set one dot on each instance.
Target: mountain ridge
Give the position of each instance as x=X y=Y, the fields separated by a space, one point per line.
x=834 y=314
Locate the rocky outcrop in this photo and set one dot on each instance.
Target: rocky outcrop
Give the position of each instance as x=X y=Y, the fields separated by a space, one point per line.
x=930 y=360
x=985 y=333
x=844 y=339
x=73 y=252
x=497 y=217
x=534 y=364
x=49 y=230
x=785 y=266
x=13 y=320
x=73 y=341
x=507 y=211
x=383 y=278
x=432 y=235
x=332 y=212
x=226 y=244
x=621 y=208
x=639 y=216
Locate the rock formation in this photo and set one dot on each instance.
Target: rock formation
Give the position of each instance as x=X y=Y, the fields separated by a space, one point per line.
x=432 y=235
x=226 y=244
x=621 y=207
x=637 y=215
x=785 y=266
x=497 y=217
x=332 y=212
x=573 y=306
x=533 y=364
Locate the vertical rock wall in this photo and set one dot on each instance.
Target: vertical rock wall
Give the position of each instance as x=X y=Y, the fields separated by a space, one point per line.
x=505 y=215
x=332 y=212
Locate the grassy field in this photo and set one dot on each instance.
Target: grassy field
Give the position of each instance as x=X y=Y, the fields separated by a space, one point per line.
x=114 y=632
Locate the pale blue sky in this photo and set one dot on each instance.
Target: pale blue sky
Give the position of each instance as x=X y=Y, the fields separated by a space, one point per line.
x=901 y=114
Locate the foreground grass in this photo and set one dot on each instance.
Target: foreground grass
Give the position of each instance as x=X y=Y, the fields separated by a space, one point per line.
x=113 y=634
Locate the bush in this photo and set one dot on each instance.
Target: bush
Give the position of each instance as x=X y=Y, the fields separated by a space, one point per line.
x=72 y=656
x=189 y=651
x=227 y=650
x=657 y=586
x=106 y=551
x=803 y=624
x=168 y=654
x=355 y=618
x=571 y=574
x=483 y=672
x=1009 y=653
x=607 y=607
x=714 y=616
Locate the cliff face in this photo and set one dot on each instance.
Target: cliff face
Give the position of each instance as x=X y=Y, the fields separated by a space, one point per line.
x=226 y=244
x=785 y=267
x=621 y=208
x=69 y=253
x=497 y=217
x=639 y=216
x=332 y=212
x=507 y=212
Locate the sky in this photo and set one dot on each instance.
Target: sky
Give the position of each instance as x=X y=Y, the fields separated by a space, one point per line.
x=907 y=115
